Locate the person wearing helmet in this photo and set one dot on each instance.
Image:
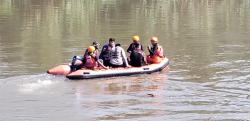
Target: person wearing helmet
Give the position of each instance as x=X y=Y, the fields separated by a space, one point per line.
x=91 y=60
x=135 y=44
x=96 y=45
x=136 y=54
x=155 y=51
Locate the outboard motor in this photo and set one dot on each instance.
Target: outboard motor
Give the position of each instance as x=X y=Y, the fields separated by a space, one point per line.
x=76 y=63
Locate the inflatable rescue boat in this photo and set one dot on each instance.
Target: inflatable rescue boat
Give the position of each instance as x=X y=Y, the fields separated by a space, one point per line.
x=100 y=73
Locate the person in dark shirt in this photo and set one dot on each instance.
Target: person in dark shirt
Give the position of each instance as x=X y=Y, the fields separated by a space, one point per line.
x=136 y=54
x=135 y=44
x=106 y=52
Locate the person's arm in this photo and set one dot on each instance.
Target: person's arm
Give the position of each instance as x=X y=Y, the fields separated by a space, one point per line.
x=124 y=57
x=101 y=64
x=129 y=50
x=96 y=53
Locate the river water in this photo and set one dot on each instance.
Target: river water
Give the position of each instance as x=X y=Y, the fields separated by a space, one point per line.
x=207 y=42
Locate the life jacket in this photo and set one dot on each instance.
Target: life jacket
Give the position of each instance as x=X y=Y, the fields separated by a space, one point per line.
x=134 y=46
x=114 y=53
x=90 y=61
x=118 y=56
x=156 y=54
x=137 y=58
x=105 y=53
x=156 y=51
x=159 y=52
x=153 y=59
x=96 y=52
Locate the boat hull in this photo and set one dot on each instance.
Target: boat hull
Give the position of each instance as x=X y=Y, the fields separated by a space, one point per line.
x=89 y=74
x=101 y=73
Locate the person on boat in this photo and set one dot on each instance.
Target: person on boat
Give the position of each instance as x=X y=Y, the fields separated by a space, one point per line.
x=77 y=61
x=136 y=53
x=106 y=50
x=155 y=51
x=96 y=45
x=118 y=56
x=135 y=44
x=91 y=60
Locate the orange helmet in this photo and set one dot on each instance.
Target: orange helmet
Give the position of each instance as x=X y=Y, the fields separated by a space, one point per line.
x=136 y=38
x=91 y=49
x=154 y=39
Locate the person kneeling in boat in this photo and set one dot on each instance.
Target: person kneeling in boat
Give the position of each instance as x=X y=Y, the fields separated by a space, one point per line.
x=155 y=52
x=136 y=54
x=118 y=57
x=91 y=60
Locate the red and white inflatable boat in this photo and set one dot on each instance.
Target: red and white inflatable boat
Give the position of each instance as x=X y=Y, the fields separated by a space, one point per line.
x=100 y=73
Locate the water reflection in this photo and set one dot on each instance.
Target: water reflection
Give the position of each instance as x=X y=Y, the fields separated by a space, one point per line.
x=126 y=85
x=43 y=33
x=121 y=98
x=52 y=30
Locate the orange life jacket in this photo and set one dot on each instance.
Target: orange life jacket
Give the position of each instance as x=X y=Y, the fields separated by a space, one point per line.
x=153 y=59
x=156 y=55
x=159 y=51
x=90 y=61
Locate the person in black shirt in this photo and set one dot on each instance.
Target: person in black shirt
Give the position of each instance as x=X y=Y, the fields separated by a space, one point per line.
x=136 y=54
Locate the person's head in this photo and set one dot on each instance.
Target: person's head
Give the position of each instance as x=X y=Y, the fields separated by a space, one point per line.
x=111 y=41
x=96 y=44
x=91 y=49
x=118 y=44
x=154 y=40
x=136 y=39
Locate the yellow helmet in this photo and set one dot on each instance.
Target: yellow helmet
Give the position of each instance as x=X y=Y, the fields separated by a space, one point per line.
x=154 y=39
x=136 y=38
x=91 y=49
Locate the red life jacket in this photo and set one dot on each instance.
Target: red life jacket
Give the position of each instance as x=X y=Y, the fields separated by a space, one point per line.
x=90 y=61
x=157 y=55
x=154 y=59
x=158 y=51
